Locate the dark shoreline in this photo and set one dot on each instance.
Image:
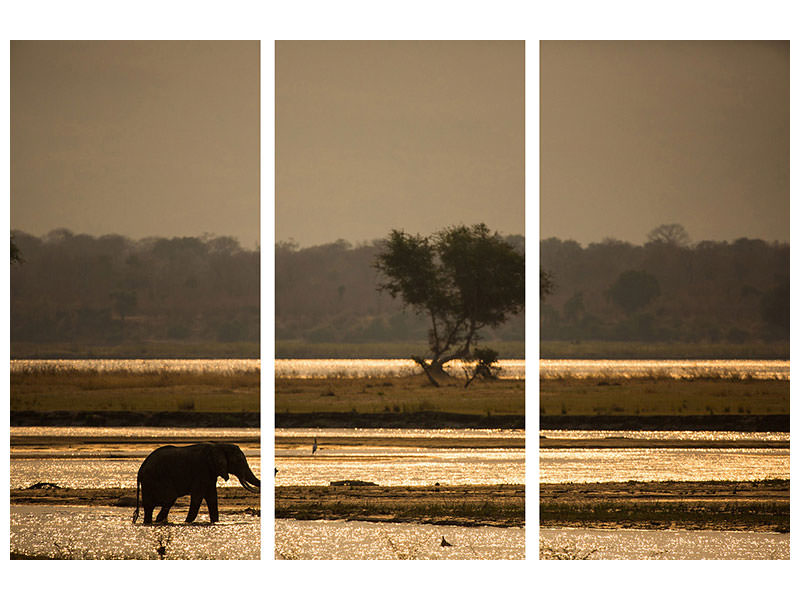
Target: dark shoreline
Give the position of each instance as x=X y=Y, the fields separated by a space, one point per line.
x=412 y=420
x=748 y=423
x=121 y=418
x=415 y=420
x=721 y=505
x=501 y=505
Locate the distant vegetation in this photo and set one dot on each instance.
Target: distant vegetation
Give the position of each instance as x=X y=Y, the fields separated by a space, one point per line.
x=463 y=280
x=666 y=291
x=327 y=296
x=78 y=295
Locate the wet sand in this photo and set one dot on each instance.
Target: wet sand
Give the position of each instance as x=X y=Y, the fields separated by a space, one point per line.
x=625 y=442
x=231 y=500
x=473 y=505
x=495 y=505
x=723 y=505
x=292 y=441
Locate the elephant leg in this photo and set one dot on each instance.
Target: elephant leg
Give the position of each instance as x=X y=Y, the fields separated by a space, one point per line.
x=194 y=507
x=211 y=502
x=162 y=514
x=148 y=514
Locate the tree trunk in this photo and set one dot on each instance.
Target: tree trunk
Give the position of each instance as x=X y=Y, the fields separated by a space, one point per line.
x=432 y=370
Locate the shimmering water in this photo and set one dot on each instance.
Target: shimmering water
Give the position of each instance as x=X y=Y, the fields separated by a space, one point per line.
x=197 y=365
x=675 y=369
x=358 y=540
x=581 y=465
x=362 y=367
x=88 y=457
x=603 y=544
x=94 y=472
x=599 y=434
x=79 y=532
x=371 y=455
x=590 y=465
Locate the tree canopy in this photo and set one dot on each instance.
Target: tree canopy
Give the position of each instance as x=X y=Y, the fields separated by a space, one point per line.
x=707 y=292
x=634 y=290
x=462 y=279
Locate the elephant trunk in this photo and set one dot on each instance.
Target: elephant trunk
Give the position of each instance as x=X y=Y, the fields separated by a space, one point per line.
x=249 y=481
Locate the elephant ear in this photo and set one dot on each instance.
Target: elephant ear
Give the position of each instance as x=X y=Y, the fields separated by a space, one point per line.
x=217 y=461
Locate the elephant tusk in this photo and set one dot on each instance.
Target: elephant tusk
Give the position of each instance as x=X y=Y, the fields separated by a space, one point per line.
x=249 y=486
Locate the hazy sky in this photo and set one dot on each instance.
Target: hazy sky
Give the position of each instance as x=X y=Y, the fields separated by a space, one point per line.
x=372 y=136
x=636 y=134
x=136 y=138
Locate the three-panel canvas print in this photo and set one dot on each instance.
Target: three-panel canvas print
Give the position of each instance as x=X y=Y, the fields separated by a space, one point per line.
x=658 y=412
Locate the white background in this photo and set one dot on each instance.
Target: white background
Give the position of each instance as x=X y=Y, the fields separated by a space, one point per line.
x=409 y=19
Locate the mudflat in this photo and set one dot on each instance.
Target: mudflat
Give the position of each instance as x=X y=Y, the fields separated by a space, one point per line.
x=465 y=505
x=729 y=505
x=233 y=499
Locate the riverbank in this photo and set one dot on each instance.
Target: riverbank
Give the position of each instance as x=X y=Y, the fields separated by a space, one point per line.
x=465 y=505
x=724 y=422
x=404 y=402
x=413 y=420
x=650 y=403
x=495 y=505
x=718 y=505
x=122 y=418
x=231 y=499
x=127 y=398
x=627 y=443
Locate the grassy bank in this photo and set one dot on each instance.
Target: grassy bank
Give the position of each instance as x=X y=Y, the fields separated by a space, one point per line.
x=662 y=397
x=663 y=350
x=394 y=400
x=495 y=505
x=304 y=349
x=724 y=505
x=91 y=391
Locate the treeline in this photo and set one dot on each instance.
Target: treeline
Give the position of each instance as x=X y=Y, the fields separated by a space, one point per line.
x=113 y=290
x=328 y=294
x=666 y=290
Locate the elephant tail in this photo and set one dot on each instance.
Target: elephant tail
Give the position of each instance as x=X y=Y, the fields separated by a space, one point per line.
x=136 y=512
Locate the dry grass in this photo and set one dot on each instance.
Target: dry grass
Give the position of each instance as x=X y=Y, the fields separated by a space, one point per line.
x=398 y=395
x=81 y=390
x=669 y=397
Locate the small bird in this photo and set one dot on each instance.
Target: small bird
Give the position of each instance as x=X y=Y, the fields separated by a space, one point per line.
x=445 y=542
x=314 y=448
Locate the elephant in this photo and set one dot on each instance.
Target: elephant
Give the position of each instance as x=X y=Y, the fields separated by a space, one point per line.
x=173 y=471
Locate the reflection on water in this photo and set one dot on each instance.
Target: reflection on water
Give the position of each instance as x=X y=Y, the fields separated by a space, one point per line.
x=355 y=432
x=142 y=365
x=94 y=472
x=378 y=367
x=369 y=455
x=403 y=466
x=599 y=434
x=358 y=540
x=106 y=457
x=80 y=532
x=676 y=369
x=662 y=544
x=138 y=432
x=581 y=465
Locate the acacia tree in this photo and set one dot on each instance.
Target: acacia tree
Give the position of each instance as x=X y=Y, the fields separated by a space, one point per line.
x=672 y=234
x=461 y=278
